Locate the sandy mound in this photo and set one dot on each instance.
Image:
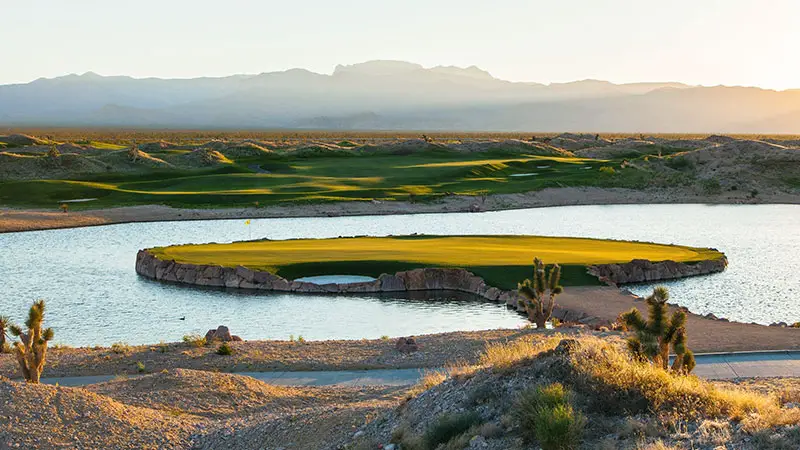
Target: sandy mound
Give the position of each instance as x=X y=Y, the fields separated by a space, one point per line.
x=203 y=393
x=510 y=146
x=21 y=140
x=40 y=416
x=244 y=150
x=27 y=167
x=612 y=390
x=157 y=146
x=403 y=147
x=571 y=141
x=746 y=161
x=201 y=157
x=121 y=161
x=718 y=139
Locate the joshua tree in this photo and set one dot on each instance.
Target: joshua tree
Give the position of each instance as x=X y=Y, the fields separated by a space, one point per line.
x=538 y=294
x=655 y=336
x=133 y=152
x=4 y=322
x=31 y=351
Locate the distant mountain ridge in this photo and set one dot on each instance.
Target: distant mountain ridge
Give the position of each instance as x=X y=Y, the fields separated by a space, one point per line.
x=396 y=95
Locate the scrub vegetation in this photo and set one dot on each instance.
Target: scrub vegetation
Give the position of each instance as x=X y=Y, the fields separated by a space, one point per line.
x=184 y=169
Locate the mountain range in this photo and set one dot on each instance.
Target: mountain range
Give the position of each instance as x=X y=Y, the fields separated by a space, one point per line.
x=396 y=95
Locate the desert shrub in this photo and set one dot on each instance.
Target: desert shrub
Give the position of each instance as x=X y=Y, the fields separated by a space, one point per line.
x=608 y=170
x=224 y=349
x=140 y=367
x=448 y=426
x=559 y=427
x=195 y=340
x=711 y=186
x=120 y=348
x=544 y=414
x=680 y=163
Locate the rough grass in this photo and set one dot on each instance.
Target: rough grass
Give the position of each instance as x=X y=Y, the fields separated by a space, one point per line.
x=491 y=257
x=609 y=379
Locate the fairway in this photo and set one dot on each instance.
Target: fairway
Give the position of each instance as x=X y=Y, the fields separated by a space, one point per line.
x=504 y=260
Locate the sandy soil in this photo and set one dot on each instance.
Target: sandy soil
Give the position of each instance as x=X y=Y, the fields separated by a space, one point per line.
x=27 y=220
x=183 y=409
x=705 y=335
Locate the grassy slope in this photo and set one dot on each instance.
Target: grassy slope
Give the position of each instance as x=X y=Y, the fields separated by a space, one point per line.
x=501 y=260
x=291 y=179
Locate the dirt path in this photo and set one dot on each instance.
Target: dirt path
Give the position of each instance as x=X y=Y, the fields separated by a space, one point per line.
x=705 y=335
x=27 y=220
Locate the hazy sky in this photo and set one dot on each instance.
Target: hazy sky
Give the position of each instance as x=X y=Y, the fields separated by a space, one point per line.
x=709 y=42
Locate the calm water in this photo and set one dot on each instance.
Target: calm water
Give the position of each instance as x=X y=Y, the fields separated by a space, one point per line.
x=95 y=297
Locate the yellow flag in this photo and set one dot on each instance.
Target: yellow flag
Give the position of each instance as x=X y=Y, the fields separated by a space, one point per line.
x=247 y=222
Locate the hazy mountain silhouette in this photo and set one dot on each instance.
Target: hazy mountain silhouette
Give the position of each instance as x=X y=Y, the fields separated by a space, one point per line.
x=395 y=95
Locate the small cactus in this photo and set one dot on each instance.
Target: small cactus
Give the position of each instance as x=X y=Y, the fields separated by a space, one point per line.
x=655 y=336
x=538 y=294
x=31 y=351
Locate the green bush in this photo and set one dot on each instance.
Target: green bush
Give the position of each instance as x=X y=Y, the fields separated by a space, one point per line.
x=711 y=186
x=225 y=349
x=449 y=426
x=559 y=427
x=680 y=163
x=544 y=414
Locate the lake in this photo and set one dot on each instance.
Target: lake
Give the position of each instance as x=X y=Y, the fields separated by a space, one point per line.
x=95 y=297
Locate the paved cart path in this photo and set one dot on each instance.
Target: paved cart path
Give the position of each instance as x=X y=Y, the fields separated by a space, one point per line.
x=719 y=366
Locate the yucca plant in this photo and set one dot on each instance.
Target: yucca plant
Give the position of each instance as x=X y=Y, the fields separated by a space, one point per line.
x=653 y=338
x=4 y=323
x=538 y=294
x=31 y=351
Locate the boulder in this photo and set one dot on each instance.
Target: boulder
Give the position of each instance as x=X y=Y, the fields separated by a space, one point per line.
x=222 y=333
x=406 y=345
x=391 y=283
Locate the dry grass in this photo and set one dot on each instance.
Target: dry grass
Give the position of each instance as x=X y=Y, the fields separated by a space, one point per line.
x=502 y=356
x=611 y=379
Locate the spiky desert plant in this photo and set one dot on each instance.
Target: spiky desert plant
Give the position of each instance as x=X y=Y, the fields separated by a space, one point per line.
x=4 y=323
x=133 y=152
x=31 y=351
x=653 y=338
x=538 y=294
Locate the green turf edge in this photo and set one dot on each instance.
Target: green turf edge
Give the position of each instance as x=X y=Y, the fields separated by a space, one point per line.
x=503 y=277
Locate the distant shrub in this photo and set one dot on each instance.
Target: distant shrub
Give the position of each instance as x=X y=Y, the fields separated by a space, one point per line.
x=195 y=340
x=448 y=426
x=608 y=170
x=680 y=163
x=544 y=414
x=301 y=339
x=711 y=186
x=140 y=367
x=120 y=348
x=224 y=349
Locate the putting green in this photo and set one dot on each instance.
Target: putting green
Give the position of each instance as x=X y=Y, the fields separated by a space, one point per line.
x=503 y=259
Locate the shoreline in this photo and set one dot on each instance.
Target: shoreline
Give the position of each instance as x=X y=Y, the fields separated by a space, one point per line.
x=20 y=220
x=436 y=350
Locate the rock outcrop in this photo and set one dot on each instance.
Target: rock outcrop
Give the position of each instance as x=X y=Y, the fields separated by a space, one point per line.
x=643 y=270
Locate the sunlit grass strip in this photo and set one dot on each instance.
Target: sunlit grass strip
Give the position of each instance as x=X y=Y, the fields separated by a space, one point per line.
x=444 y=251
x=527 y=158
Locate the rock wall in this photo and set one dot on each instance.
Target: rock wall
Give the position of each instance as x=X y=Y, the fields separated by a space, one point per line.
x=425 y=279
x=643 y=270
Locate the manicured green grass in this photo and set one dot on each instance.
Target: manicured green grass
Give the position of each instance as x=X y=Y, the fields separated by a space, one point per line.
x=501 y=260
x=424 y=176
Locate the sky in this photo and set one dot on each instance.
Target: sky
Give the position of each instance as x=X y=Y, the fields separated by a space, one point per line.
x=703 y=42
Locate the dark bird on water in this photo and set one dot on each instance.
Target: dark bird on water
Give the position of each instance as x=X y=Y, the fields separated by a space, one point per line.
x=183 y=318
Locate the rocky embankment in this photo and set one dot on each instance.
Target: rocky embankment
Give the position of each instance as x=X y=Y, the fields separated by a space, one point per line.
x=423 y=279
